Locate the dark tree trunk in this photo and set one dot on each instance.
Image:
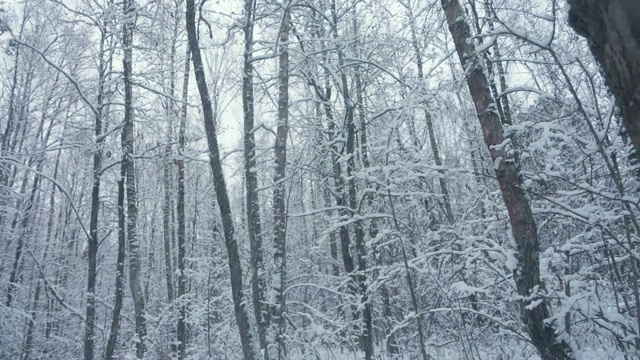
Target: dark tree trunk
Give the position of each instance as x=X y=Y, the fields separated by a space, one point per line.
x=428 y=119
x=92 y=248
x=41 y=281
x=117 y=306
x=612 y=28
x=222 y=196
x=361 y=252
x=523 y=226
x=279 y=205
x=254 y=226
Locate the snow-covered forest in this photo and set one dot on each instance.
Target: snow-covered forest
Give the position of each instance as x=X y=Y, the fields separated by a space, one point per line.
x=319 y=179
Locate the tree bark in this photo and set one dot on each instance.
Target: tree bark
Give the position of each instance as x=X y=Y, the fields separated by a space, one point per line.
x=361 y=252
x=523 y=226
x=128 y=162
x=182 y=236
x=92 y=248
x=166 y=222
x=117 y=306
x=279 y=205
x=222 y=196
x=612 y=28
x=254 y=226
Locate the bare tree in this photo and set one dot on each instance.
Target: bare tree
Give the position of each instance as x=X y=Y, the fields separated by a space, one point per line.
x=361 y=251
x=523 y=225
x=135 y=260
x=279 y=203
x=182 y=236
x=222 y=196
x=92 y=250
x=254 y=227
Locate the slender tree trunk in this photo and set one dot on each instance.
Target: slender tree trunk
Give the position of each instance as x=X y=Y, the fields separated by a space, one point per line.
x=361 y=251
x=117 y=307
x=135 y=261
x=5 y=140
x=23 y=228
x=222 y=196
x=338 y=185
x=168 y=214
x=333 y=242
x=254 y=227
x=92 y=249
x=391 y=343
x=31 y=322
x=166 y=222
x=410 y=281
x=523 y=226
x=36 y=297
x=279 y=205
x=428 y=119
x=182 y=236
x=27 y=215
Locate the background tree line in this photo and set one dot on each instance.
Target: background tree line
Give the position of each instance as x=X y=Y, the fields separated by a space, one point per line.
x=319 y=179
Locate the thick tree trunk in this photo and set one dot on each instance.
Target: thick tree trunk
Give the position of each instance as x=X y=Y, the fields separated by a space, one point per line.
x=279 y=205
x=254 y=226
x=612 y=28
x=135 y=261
x=222 y=196
x=523 y=226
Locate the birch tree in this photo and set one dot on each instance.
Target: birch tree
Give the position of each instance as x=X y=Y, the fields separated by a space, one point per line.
x=135 y=260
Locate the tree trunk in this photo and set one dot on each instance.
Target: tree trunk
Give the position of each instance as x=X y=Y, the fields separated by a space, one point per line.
x=523 y=226
x=222 y=196
x=279 y=206
x=117 y=307
x=361 y=252
x=5 y=140
x=92 y=248
x=182 y=237
x=333 y=243
x=254 y=227
x=36 y=297
x=23 y=230
x=128 y=162
x=612 y=28
x=166 y=222
x=428 y=119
